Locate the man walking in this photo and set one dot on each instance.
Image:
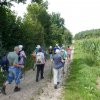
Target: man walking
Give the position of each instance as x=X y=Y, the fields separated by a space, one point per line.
x=14 y=72
x=58 y=64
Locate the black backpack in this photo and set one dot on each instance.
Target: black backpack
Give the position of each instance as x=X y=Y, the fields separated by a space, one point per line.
x=4 y=63
x=19 y=57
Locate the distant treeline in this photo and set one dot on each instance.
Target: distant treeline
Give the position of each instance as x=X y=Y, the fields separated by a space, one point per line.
x=94 y=33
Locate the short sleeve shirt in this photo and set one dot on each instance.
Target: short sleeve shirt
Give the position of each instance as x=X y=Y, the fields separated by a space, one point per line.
x=12 y=58
x=57 y=59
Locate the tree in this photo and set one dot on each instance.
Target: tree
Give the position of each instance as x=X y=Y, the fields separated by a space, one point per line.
x=9 y=3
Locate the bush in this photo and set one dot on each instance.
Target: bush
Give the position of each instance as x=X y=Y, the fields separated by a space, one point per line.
x=2 y=78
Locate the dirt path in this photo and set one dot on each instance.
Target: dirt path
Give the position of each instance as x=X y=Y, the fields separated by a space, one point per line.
x=32 y=90
x=55 y=94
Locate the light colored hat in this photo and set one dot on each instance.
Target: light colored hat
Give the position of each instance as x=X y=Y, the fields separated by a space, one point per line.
x=57 y=51
x=50 y=47
x=20 y=47
x=62 y=50
x=56 y=44
x=38 y=46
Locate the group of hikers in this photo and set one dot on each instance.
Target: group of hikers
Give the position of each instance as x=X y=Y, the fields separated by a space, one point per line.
x=58 y=57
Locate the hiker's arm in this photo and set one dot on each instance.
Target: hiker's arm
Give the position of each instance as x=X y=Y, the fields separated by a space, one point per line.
x=24 y=55
x=17 y=65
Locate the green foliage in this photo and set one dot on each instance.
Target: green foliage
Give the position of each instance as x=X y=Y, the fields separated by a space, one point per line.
x=81 y=84
x=29 y=63
x=38 y=1
x=50 y=28
x=8 y=3
x=94 y=33
x=2 y=78
x=92 y=48
x=10 y=28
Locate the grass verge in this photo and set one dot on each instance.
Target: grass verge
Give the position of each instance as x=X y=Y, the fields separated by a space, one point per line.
x=81 y=83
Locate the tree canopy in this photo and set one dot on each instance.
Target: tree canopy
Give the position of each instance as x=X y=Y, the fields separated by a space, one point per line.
x=36 y=27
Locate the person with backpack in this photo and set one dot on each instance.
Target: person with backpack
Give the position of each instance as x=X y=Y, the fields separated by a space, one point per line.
x=37 y=49
x=34 y=56
x=57 y=66
x=56 y=47
x=64 y=57
x=21 y=58
x=40 y=62
x=21 y=55
x=14 y=70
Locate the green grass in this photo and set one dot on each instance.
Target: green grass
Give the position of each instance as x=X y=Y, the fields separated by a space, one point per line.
x=81 y=84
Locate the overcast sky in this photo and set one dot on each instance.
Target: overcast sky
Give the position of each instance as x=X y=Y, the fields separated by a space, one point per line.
x=79 y=15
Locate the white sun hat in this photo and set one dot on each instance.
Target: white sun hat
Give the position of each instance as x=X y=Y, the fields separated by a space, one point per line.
x=50 y=47
x=38 y=46
x=57 y=51
x=56 y=44
x=20 y=47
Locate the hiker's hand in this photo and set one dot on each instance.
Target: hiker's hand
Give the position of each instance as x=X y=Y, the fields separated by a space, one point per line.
x=51 y=60
x=22 y=66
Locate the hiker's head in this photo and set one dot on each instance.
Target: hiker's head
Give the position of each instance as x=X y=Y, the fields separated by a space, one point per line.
x=57 y=51
x=16 y=49
x=40 y=49
x=50 y=47
x=56 y=45
x=68 y=46
x=20 y=47
x=62 y=50
x=38 y=46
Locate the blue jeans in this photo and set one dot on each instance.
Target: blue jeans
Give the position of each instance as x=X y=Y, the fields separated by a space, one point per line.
x=14 y=74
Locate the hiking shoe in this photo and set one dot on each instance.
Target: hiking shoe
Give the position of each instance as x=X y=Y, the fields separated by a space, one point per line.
x=36 y=80
x=58 y=83
x=42 y=77
x=55 y=86
x=3 y=90
x=16 y=89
